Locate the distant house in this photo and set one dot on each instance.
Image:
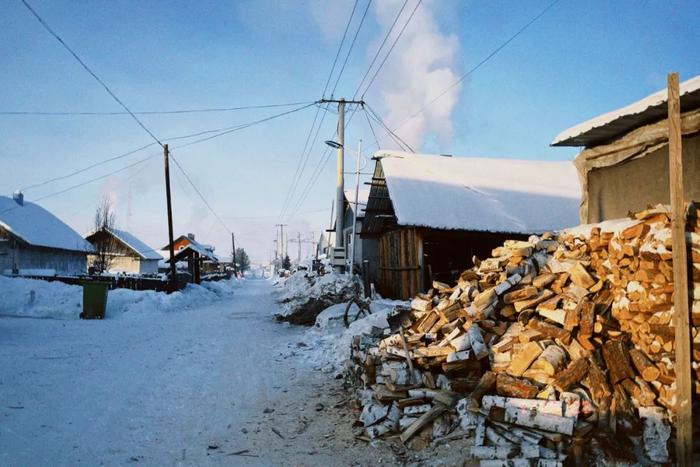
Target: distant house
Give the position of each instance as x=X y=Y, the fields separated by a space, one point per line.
x=624 y=164
x=129 y=254
x=200 y=258
x=364 y=248
x=35 y=242
x=431 y=214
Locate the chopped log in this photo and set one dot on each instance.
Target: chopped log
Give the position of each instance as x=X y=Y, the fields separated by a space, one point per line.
x=580 y=276
x=644 y=366
x=543 y=280
x=597 y=384
x=514 y=387
x=535 y=419
x=477 y=342
x=617 y=360
x=423 y=420
x=487 y=384
x=573 y=374
x=551 y=360
x=553 y=407
x=532 y=302
x=524 y=293
x=524 y=359
x=587 y=318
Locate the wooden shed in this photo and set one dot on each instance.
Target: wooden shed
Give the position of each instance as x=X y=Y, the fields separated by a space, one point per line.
x=432 y=214
x=624 y=164
x=34 y=242
x=200 y=258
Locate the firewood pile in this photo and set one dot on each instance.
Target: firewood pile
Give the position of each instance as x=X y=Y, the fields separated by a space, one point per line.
x=556 y=349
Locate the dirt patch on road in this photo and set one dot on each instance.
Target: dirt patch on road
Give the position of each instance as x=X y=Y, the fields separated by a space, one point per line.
x=312 y=424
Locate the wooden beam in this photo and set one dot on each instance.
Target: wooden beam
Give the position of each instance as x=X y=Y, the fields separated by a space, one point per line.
x=684 y=427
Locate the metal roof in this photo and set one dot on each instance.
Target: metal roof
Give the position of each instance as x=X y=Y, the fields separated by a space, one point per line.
x=610 y=126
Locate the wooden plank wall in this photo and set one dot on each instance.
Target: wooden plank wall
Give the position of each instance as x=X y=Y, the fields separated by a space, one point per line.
x=400 y=264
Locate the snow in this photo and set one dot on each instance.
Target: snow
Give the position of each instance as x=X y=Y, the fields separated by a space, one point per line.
x=145 y=251
x=471 y=193
x=636 y=108
x=328 y=342
x=41 y=299
x=612 y=225
x=37 y=226
x=154 y=389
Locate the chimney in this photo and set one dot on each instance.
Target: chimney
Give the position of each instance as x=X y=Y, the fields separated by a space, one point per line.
x=190 y=236
x=18 y=196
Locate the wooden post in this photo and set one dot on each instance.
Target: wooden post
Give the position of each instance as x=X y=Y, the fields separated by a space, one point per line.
x=233 y=254
x=171 y=246
x=684 y=427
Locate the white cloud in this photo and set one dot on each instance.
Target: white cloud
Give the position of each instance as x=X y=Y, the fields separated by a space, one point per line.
x=422 y=65
x=331 y=17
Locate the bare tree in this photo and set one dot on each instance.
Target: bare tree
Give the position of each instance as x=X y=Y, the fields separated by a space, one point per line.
x=103 y=240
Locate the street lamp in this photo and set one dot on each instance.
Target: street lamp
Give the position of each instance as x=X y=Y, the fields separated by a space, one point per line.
x=334 y=144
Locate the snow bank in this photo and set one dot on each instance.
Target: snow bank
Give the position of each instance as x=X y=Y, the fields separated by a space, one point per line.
x=41 y=299
x=327 y=344
x=305 y=295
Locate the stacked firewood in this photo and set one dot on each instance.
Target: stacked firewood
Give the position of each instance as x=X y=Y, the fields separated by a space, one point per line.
x=564 y=345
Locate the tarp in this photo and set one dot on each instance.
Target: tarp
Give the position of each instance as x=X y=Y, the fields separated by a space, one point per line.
x=640 y=182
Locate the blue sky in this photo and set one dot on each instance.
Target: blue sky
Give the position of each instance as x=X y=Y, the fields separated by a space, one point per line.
x=579 y=60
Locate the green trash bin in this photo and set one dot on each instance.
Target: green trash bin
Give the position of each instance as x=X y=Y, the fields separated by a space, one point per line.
x=94 y=299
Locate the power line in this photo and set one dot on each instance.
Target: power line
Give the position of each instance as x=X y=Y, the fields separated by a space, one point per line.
x=381 y=65
x=305 y=153
x=87 y=68
x=396 y=137
x=155 y=112
x=482 y=62
x=352 y=44
x=226 y=131
x=369 y=122
x=218 y=132
x=199 y=193
x=304 y=159
x=50 y=195
x=381 y=46
x=85 y=169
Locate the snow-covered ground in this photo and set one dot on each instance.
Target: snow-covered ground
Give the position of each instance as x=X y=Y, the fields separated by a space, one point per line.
x=209 y=385
x=40 y=299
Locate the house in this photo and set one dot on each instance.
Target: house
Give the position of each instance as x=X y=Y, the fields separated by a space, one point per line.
x=125 y=251
x=35 y=242
x=200 y=258
x=365 y=248
x=432 y=214
x=624 y=164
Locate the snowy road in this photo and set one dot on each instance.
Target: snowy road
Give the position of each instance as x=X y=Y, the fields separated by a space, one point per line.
x=190 y=387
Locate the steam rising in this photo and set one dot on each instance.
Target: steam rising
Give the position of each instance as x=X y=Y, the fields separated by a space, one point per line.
x=421 y=66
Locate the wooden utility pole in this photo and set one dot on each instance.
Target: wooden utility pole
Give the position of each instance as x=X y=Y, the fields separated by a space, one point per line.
x=233 y=254
x=684 y=424
x=171 y=246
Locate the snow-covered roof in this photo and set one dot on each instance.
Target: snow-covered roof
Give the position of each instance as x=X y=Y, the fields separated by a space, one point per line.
x=611 y=125
x=139 y=247
x=37 y=226
x=473 y=193
x=362 y=196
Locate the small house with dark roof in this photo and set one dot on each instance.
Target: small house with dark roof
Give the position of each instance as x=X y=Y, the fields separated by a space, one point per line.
x=127 y=252
x=34 y=242
x=200 y=258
